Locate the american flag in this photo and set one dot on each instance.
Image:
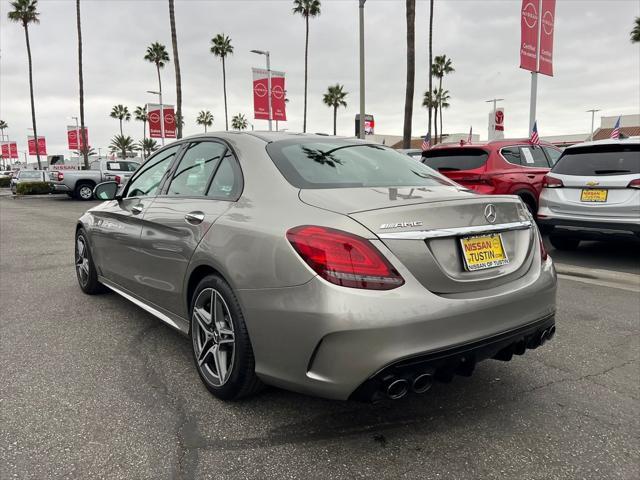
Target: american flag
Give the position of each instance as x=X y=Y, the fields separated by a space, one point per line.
x=426 y=142
x=470 y=134
x=615 y=133
x=535 y=139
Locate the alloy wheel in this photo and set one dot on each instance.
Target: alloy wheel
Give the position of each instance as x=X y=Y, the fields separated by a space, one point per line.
x=85 y=192
x=82 y=260
x=213 y=336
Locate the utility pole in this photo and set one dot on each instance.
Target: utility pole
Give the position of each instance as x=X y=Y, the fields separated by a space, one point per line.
x=362 y=110
x=593 y=114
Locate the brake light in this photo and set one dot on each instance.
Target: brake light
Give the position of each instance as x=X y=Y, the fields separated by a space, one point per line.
x=60 y=175
x=634 y=183
x=343 y=258
x=118 y=179
x=551 y=182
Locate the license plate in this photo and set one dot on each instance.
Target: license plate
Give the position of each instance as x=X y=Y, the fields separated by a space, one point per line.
x=597 y=195
x=483 y=251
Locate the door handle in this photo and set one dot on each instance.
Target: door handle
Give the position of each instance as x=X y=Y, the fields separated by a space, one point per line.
x=195 y=218
x=137 y=209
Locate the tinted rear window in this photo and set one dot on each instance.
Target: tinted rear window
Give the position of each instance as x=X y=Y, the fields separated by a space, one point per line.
x=599 y=160
x=453 y=159
x=122 y=166
x=335 y=163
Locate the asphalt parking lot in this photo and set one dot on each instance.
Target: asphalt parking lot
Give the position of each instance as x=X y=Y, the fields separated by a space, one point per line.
x=94 y=387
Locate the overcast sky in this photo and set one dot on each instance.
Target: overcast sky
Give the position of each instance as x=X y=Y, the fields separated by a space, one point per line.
x=595 y=63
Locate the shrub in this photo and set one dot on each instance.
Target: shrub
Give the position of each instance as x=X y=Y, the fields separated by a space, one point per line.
x=33 y=188
x=5 y=182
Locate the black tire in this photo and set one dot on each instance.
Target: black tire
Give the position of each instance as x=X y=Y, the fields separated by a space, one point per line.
x=70 y=194
x=241 y=380
x=84 y=191
x=87 y=274
x=561 y=242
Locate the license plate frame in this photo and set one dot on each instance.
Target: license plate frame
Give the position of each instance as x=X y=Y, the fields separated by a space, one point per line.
x=471 y=264
x=591 y=197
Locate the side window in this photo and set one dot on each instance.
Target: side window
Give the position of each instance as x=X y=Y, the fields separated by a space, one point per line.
x=199 y=161
x=534 y=157
x=512 y=155
x=553 y=155
x=226 y=182
x=147 y=182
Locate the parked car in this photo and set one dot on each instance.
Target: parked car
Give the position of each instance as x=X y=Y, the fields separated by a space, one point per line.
x=328 y=266
x=80 y=183
x=415 y=153
x=25 y=176
x=593 y=192
x=498 y=167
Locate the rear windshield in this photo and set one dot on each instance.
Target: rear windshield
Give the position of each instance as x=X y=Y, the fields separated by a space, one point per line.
x=599 y=160
x=30 y=174
x=454 y=159
x=122 y=166
x=336 y=163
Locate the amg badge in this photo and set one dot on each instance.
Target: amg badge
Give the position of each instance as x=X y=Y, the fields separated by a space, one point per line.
x=416 y=223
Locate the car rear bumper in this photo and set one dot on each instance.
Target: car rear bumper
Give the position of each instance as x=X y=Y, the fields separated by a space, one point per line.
x=333 y=342
x=590 y=228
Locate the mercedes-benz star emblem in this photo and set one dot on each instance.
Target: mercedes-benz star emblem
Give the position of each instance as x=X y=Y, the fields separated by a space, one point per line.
x=490 y=213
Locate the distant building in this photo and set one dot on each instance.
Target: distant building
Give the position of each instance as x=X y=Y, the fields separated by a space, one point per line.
x=629 y=126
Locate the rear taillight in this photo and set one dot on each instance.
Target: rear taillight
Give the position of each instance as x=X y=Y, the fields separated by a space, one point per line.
x=551 y=182
x=343 y=258
x=634 y=183
x=118 y=179
x=60 y=176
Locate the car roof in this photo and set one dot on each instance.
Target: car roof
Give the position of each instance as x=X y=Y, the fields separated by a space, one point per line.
x=607 y=141
x=268 y=136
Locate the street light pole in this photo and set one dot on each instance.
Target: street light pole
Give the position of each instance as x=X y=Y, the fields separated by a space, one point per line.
x=593 y=114
x=362 y=110
x=534 y=75
x=267 y=54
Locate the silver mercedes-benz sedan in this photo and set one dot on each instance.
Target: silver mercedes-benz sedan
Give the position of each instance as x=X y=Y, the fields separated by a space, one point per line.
x=327 y=266
x=592 y=193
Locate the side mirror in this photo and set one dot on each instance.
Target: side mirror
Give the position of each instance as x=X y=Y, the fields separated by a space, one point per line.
x=106 y=191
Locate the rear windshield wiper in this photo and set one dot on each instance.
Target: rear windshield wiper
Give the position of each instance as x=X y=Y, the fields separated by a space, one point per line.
x=605 y=172
x=448 y=169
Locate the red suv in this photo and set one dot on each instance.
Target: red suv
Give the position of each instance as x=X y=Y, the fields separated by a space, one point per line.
x=514 y=167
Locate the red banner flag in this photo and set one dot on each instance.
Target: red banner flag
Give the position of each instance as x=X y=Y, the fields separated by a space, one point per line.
x=74 y=137
x=42 y=145
x=261 y=99
x=169 y=121
x=153 y=117
x=546 y=37
x=13 y=150
x=6 y=150
x=529 y=35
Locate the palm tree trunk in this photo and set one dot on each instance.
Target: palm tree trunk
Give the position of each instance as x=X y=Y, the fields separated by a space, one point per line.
x=224 y=89
x=435 y=123
x=83 y=136
x=121 y=134
x=176 y=65
x=430 y=57
x=440 y=103
x=144 y=137
x=335 y=116
x=33 y=107
x=411 y=72
x=441 y=131
x=306 y=57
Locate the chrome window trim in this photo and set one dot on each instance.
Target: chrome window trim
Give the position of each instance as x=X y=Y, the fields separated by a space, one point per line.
x=456 y=231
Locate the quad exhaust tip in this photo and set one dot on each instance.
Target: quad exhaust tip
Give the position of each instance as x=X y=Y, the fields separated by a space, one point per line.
x=422 y=383
x=397 y=389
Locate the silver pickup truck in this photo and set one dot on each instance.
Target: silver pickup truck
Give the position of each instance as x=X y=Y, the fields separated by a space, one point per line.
x=79 y=183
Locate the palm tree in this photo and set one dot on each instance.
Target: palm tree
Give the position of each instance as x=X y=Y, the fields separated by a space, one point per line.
x=86 y=151
x=335 y=97
x=121 y=113
x=3 y=125
x=123 y=145
x=431 y=102
x=635 y=33
x=83 y=133
x=306 y=8
x=176 y=67
x=442 y=98
x=239 y=122
x=157 y=54
x=205 y=118
x=441 y=66
x=430 y=106
x=147 y=146
x=25 y=12
x=411 y=72
x=221 y=47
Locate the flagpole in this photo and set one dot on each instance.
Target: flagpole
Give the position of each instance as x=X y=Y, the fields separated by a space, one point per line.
x=534 y=75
